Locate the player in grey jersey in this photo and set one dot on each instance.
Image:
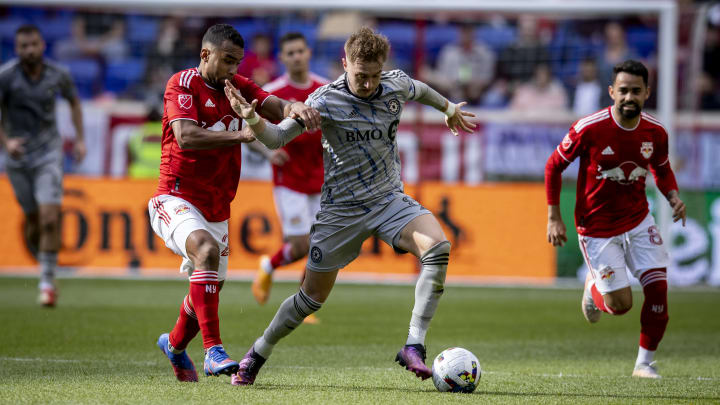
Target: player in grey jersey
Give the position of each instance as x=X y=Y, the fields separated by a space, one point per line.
x=29 y=86
x=363 y=193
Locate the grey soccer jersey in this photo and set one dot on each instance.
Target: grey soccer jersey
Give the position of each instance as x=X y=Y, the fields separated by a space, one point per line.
x=28 y=107
x=362 y=163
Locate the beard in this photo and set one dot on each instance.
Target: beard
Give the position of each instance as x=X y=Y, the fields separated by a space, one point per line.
x=630 y=113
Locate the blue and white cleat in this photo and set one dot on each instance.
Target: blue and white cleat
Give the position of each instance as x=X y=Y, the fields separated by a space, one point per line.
x=218 y=362
x=181 y=363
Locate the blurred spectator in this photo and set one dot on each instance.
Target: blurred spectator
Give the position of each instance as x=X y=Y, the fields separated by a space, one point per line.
x=517 y=62
x=588 y=90
x=104 y=39
x=616 y=51
x=707 y=90
x=542 y=93
x=259 y=63
x=464 y=69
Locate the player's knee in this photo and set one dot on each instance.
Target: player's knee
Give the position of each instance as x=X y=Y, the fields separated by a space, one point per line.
x=206 y=254
x=618 y=306
x=48 y=224
x=300 y=248
x=438 y=248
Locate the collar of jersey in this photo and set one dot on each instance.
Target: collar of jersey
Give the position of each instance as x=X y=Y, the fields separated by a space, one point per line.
x=375 y=95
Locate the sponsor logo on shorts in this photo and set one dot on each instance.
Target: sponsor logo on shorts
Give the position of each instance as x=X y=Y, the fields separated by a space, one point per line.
x=393 y=106
x=607 y=274
x=182 y=209
x=316 y=254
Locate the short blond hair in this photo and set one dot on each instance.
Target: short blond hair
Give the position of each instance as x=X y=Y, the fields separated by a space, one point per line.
x=368 y=46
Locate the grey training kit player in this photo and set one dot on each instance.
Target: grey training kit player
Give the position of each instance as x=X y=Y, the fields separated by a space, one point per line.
x=28 y=111
x=362 y=165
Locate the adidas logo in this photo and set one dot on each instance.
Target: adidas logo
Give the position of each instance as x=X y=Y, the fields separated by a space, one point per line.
x=209 y=103
x=608 y=151
x=353 y=114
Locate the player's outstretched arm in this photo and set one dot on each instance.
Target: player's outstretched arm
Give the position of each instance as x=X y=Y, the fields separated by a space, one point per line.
x=271 y=135
x=190 y=135
x=455 y=118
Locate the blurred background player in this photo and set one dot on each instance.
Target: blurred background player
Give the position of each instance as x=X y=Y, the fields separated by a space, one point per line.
x=29 y=86
x=199 y=174
x=362 y=194
x=617 y=146
x=297 y=167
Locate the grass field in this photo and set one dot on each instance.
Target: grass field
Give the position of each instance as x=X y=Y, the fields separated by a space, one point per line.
x=534 y=347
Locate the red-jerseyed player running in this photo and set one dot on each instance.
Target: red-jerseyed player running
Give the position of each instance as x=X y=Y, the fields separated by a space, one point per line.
x=617 y=146
x=297 y=167
x=199 y=173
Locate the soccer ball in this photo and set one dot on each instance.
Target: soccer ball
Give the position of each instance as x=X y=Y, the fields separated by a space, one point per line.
x=456 y=370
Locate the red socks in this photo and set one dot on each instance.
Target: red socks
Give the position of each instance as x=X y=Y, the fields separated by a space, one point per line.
x=282 y=256
x=654 y=316
x=186 y=326
x=204 y=293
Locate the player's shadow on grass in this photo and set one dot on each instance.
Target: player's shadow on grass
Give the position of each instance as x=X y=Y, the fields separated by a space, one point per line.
x=582 y=395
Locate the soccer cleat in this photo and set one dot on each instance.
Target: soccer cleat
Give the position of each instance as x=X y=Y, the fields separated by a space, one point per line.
x=412 y=357
x=646 y=370
x=262 y=283
x=249 y=367
x=47 y=296
x=589 y=309
x=311 y=320
x=218 y=362
x=181 y=363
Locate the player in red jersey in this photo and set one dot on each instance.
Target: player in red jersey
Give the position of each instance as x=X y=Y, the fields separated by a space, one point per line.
x=297 y=167
x=617 y=146
x=199 y=173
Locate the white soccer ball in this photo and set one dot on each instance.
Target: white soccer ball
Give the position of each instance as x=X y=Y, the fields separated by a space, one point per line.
x=456 y=370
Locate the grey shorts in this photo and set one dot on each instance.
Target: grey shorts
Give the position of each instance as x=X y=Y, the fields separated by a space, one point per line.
x=39 y=184
x=336 y=238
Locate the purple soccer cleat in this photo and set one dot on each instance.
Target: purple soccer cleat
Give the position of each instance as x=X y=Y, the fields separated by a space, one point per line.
x=249 y=368
x=218 y=362
x=412 y=357
x=181 y=363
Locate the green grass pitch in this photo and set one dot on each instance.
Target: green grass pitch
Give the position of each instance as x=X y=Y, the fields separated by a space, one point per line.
x=98 y=346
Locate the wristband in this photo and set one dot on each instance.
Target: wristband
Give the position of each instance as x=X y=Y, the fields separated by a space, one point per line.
x=450 y=110
x=253 y=120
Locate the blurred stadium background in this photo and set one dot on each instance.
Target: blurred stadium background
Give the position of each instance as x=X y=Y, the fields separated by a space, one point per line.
x=528 y=70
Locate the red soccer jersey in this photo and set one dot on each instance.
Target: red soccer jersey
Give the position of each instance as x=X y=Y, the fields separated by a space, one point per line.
x=614 y=162
x=206 y=178
x=304 y=171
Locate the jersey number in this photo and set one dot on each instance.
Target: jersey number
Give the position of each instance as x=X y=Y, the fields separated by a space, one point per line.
x=655 y=235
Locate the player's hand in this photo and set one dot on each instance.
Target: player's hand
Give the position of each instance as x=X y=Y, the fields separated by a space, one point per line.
x=15 y=147
x=309 y=115
x=279 y=157
x=238 y=103
x=678 y=207
x=459 y=120
x=556 y=232
x=246 y=135
x=79 y=150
